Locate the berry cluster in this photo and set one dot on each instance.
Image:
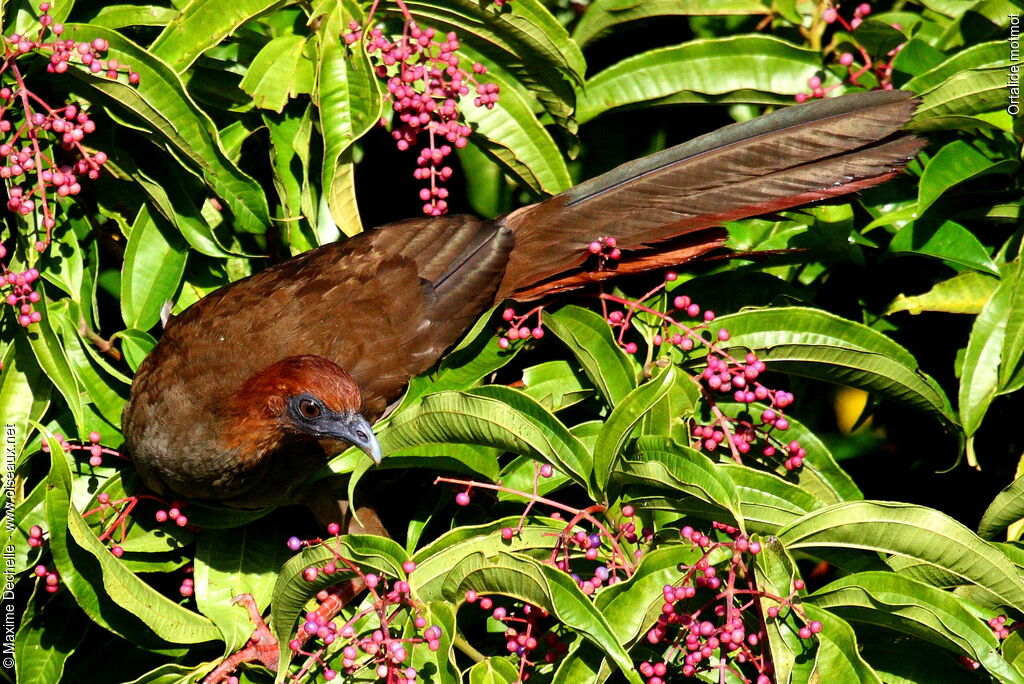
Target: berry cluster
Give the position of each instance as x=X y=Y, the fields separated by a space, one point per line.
x=379 y=650
x=35 y=536
x=21 y=296
x=882 y=70
x=725 y=631
x=121 y=510
x=519 y=328
x=51 y=579
x=528 y=634
x=94 y=449
x=723 y=376
x=173 y=512
x=1001 y=629
x=605 y=250
x=425 y=84
x=33 y=135
x=712 y=618
x=188 y=585
x=740 y=433
x=573 y=543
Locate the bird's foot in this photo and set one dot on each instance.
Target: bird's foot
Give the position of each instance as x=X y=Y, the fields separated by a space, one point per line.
x=261 y=648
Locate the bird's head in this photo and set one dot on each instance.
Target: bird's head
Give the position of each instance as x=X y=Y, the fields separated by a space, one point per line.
x=299 y=398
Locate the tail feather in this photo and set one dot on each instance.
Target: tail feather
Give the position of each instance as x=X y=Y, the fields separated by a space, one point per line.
x=788 y=158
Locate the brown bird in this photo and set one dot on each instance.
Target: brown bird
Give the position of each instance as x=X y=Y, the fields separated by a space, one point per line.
x=253 y=387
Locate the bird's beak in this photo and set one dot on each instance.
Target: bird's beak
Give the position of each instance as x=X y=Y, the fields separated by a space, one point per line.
x=356 y=430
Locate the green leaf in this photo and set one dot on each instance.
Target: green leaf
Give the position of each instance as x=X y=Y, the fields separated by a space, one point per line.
x=154 y=262
x=769 y=502
x=1011 y=363
x=956 y=163
x=966 y=293
x=290 y=137
x=980 y=369
x=135 y=344
x=619 y=426
x=117 y=587
x=65 y=267
x=161 y=102
x=916 y=532
x=435 y=561
x=820 y=476
x=1006 y=508
x=602 y=15
x=512 y=135
x=708 y=68
x=442 y=661
x=493 y=417
x=200 y=25
x=774 y=572
x=837 y=658
x=665 y=464
x=231 y=562
x=278 y=72
x=350 y=104
x=465 y=458
x=924 y=612
x=954 y=102
x=589 y=338
x=583 y=663
x=46 y=638
x=24 y=392
x=569 y=454
x=123 y=16
x=635 y=604
x=53 y=360
x=878 y=37
x=948 y=241
x=476 y=357
x=493 y=670
x=816 y=344
x=548 y=588
x=107 y=393
x=173 y=196
x=555 y=384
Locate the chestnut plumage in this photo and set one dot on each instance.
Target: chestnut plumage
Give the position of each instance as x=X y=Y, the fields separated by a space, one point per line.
x=253 y=387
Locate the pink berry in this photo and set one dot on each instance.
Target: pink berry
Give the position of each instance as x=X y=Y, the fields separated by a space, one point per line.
x=462 y=498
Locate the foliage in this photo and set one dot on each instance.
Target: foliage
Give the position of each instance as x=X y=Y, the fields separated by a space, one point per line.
x=242 y=133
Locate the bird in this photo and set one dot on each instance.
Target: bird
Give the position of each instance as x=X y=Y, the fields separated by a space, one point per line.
x=255 y=386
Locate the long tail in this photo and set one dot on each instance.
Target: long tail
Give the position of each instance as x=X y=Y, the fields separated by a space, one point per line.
x=678 y=196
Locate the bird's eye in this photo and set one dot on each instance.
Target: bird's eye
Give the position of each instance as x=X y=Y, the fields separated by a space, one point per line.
x=309 y=409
